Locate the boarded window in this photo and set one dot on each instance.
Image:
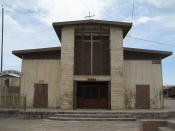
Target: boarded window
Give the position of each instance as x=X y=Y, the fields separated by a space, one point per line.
x=7 y=83
x=92 y=55
x=156 y=62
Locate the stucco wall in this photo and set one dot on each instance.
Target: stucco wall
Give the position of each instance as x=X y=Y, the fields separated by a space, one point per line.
x=117 y=82
x=67 y=64
x=13 y=82
x=41 y=71
x=140 y=72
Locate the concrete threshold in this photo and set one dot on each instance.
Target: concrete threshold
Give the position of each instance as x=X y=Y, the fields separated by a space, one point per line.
x=45 y=113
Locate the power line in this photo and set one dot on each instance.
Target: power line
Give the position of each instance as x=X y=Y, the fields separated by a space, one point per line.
x=151 y=41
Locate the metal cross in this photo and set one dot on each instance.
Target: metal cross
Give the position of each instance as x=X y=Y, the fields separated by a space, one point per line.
x=89 y=16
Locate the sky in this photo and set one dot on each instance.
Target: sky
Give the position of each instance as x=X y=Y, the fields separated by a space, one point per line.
x=28 y=24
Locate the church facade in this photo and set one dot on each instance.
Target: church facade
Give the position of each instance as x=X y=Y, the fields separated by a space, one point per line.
x=92 y=70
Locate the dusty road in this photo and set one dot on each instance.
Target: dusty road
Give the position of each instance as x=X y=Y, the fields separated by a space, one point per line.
x=169 y=103
x=12 y=124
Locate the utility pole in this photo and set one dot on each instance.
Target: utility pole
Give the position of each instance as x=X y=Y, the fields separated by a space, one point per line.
x=2 y=37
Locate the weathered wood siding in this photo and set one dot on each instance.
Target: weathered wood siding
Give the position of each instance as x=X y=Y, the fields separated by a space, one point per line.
x=143 y=72
x=45 y=71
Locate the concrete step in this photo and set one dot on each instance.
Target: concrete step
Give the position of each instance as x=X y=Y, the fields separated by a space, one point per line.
x=91 y=116
x=89 y=112
x=95 y=115
x=171 y=124
x=165 y=129
x=90 y=119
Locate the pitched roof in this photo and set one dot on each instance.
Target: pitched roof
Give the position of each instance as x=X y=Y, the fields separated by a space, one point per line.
x=36 y=50
x=44 y=53
x=124 y=25
x=129 y=53
x=136 y=53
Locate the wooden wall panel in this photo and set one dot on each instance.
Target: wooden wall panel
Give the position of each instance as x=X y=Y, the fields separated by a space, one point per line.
x=41 y=95
x=142 y=97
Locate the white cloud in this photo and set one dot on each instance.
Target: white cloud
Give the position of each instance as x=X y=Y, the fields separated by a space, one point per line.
x=160 y=3
x=160 y=21
x=59 y=10
x=142 y=20
x=49 y=11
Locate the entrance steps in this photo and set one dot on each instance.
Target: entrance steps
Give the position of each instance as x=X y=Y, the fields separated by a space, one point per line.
x=91 y=116
x=170 y=126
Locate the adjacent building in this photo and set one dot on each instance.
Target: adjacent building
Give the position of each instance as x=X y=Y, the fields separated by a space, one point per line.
x=10 y=81
x=92 y=69
x=169 y=91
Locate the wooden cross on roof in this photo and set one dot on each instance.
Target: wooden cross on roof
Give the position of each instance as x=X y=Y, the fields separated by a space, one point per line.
x=89 y=16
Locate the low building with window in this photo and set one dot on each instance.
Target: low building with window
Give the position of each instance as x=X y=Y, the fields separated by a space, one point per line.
x=92 y=69
x=10 y=81
x=169 y=91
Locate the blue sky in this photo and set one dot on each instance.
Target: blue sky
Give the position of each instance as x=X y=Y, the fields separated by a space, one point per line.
x=28 y=24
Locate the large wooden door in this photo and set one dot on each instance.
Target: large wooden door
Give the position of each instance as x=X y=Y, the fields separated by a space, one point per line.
x=92 y=95
x=41 y=95
x=142 y=96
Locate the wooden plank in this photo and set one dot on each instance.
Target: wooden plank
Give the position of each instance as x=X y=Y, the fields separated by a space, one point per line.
x=109 y=95
x=41 y=95
x=75 y=95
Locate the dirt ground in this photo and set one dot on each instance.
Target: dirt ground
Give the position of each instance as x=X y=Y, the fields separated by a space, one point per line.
x=12 y=124
x=169 y=103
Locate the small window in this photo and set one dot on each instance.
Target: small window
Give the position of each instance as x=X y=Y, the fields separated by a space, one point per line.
x=96 y=37
x=105 y=38
x=78 y=38
x=156 y=62
x=7 y=83
x=88 y=37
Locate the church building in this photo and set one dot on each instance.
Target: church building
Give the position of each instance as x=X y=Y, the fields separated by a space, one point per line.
x=92 y=70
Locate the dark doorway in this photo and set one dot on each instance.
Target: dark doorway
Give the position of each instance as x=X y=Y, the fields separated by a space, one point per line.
x=142 y=97
x=92 y=95
x=41 y=95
